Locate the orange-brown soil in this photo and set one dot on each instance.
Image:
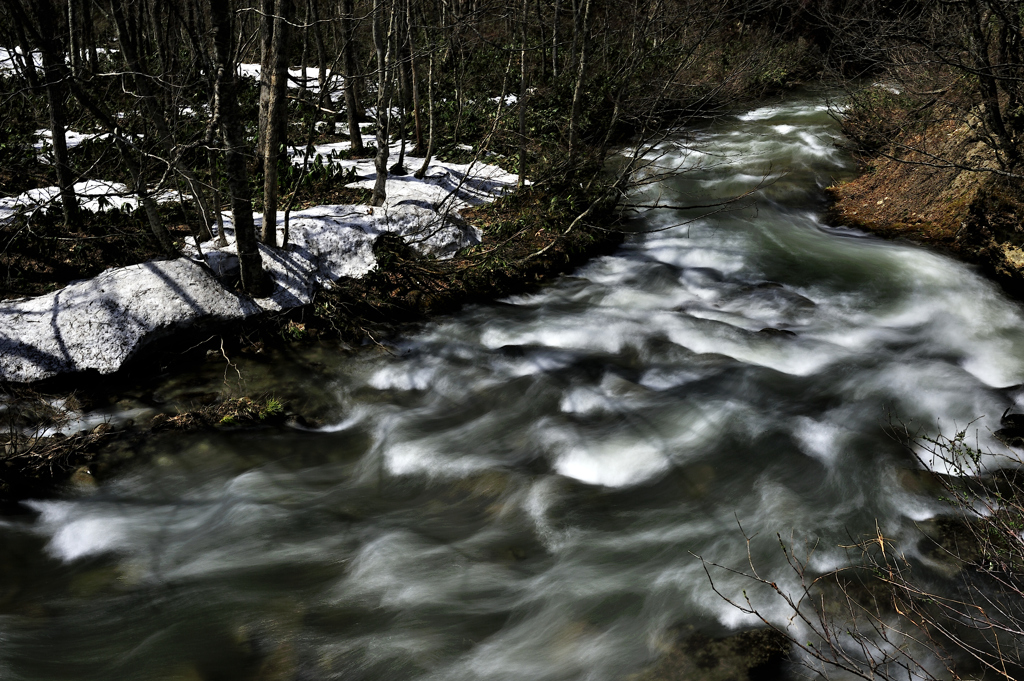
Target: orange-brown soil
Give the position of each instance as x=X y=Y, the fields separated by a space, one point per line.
x=942 y=195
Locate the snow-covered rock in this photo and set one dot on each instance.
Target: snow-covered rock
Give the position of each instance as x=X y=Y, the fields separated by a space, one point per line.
x=99 y=323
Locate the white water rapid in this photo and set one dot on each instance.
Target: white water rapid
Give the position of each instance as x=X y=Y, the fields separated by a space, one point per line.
x=519 y=491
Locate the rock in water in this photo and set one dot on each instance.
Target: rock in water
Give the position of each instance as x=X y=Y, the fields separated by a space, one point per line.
x=777 y=332
x=747 y=656
x=1012 y=432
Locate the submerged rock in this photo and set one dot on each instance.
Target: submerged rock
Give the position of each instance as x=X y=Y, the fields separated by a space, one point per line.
x=755 y=655
x=1012 y=432
x=777 y=332
x=83 y=479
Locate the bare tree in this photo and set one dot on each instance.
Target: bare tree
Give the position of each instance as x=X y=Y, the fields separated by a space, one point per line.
x=522 y=94
x=275 y=128
x=581 y=74
x=382 y=44
x=156 y=116
x=414 y=81
x=431 y=121
x=556 y=37
x=53 y=75
x=961 y=62
x=349 y=51
x=38 y=19
x=882 y=617
x=254 y=280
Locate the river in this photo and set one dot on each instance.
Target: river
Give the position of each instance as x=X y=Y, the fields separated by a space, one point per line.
x=519 y=491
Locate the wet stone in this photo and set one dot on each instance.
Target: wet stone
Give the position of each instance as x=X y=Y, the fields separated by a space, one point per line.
x=159 y=420
x=83 y=478
x=754 y=655
x=103 y=429
x=778 y=333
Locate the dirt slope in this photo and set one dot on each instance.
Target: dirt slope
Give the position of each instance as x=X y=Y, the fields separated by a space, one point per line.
x=941 y=196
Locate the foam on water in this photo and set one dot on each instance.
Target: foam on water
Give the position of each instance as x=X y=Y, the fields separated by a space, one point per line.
x=408 y=458
x=616 y=463
x=75 y=536
x=822 y=440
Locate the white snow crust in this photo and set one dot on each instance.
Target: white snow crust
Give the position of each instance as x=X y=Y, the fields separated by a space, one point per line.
x=335 y=81
x=44 y=142
x=99 y=323
x=8 y=63
x=93 y=195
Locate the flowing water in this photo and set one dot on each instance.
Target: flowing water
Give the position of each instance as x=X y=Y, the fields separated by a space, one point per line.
x=519 y=491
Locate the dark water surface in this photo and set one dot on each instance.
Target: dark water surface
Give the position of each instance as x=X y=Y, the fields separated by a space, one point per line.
x=517 y=492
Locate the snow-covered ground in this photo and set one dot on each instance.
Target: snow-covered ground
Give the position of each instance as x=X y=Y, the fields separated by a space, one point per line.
x=93 y=195
x=335 y=83
x=466 y=184
x=9 y=60
x=99 y=323
x=44 y=142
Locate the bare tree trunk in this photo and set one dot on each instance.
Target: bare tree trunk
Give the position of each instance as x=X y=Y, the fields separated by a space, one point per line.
x=266 y=37
x=222 y=238
x=543 y=45
x=303 y=85
x=382 y=43
x=23 y=57
x=422 y=172
x=575 y=32
x=88 y=37
x=74 y=37
x=277 y=109
x=321 y=56
x=577 y=95
x=404 y=73
x=418 y=150
x=989 y=89
x=522 y=94
x=39 y=19
x=351 y=104
x=399 y=167
x=254 y=281
x=403 y=54
x=53 y=73
x=159 y=40
x=555 y=37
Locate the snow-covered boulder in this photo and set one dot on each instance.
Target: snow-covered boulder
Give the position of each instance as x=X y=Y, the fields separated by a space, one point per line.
x=99 y=323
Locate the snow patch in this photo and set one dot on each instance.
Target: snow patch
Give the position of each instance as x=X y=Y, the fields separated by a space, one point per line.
x=99 y=323
x=9 y=60
x=44 y=144
x=93 y=196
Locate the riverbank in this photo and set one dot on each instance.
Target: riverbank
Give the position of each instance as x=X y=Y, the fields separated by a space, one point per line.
x=523 y=242
x=99 y=323
x=938 y=186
